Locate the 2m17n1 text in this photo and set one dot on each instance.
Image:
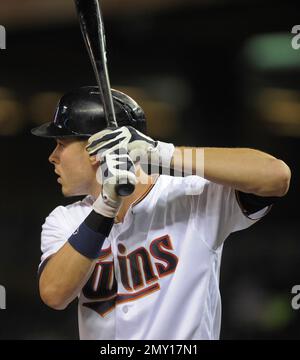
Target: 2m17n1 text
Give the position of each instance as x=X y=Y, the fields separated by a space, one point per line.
x=177 y=349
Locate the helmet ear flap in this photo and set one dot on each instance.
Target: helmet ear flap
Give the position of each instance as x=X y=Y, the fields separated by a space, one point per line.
x=135 y=115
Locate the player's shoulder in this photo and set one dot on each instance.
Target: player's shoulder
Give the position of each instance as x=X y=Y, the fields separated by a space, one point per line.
x=86 y=202
x=179 y=180
x=190 y=185
x=76 y=209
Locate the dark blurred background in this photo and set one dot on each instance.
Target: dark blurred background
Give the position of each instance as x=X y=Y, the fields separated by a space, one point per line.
x=215 y=73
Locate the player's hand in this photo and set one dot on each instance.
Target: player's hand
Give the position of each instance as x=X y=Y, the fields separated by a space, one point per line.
x=139 y=146
x=115 y=168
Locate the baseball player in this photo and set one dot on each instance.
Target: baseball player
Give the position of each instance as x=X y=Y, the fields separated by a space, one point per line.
x=144 y=266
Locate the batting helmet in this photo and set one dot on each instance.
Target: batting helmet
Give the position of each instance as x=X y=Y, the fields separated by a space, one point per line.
x=80 y=113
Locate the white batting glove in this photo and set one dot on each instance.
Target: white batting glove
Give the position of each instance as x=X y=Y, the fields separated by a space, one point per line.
x=139 y=146
x=116 y=168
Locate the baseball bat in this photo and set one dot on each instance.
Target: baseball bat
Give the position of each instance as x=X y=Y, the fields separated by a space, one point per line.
x=92 y=28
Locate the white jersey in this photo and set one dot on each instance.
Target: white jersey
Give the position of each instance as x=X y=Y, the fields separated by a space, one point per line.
x=158 y=273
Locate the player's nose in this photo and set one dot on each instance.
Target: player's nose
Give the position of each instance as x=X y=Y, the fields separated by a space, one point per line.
x=53 y=158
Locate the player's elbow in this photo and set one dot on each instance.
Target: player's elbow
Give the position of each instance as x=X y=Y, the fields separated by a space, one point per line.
x=275 y=180
x=51 y=297
x=281 y=177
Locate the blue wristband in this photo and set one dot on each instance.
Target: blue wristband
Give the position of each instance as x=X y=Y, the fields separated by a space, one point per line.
x=87 y=241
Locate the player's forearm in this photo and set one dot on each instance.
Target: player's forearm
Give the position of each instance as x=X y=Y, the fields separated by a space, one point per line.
x=67 y=272
x=244 y=169
x=64 y=276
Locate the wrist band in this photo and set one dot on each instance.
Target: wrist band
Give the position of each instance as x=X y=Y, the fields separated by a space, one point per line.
x=87 y=241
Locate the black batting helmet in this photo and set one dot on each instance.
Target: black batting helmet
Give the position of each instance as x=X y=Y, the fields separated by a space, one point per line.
x=80 y=113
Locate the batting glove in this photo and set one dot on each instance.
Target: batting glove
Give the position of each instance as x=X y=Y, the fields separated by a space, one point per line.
x=139 y=146
x=115 y=169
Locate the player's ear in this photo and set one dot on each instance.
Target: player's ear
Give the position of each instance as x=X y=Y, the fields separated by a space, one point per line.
x=94 y=160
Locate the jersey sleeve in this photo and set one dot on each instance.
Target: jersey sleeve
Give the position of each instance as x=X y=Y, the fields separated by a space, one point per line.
x=223 y=214
x=55 y=233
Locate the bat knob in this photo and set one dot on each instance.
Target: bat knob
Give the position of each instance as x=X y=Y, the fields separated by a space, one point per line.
x=124 y=189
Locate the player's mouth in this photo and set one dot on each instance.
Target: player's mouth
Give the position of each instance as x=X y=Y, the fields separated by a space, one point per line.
x=57 y=173
x=59 y=180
